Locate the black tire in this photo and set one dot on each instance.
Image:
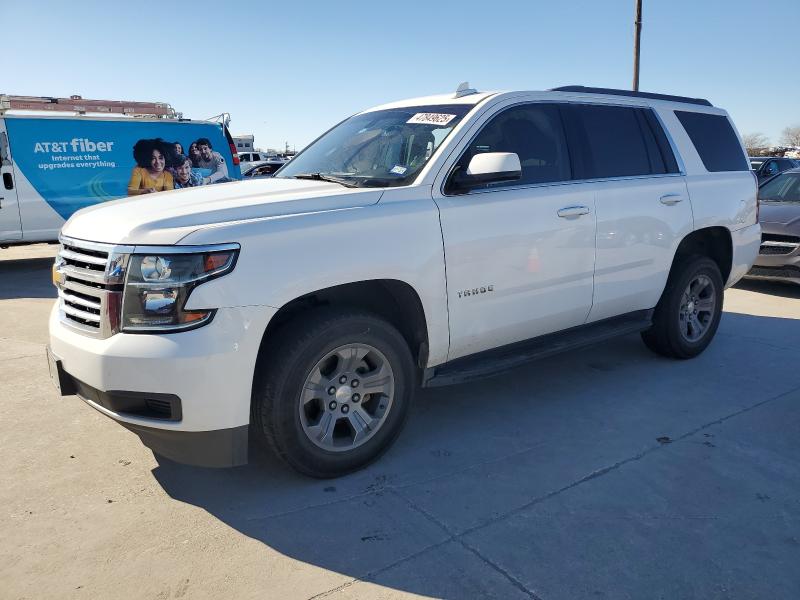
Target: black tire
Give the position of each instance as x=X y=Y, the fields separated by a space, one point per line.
x=665 y=337
x=286 y=362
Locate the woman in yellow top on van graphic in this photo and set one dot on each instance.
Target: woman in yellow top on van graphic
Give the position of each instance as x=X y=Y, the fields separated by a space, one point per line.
x=149 y=175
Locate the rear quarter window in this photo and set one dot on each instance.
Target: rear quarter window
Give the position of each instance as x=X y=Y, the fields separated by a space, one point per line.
x=715 y=141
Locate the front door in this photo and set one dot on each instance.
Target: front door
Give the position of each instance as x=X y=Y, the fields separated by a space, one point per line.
x=10 y=224
x=519 y=255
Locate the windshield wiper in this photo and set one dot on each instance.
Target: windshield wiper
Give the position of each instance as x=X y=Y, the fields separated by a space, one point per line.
x=324 y=177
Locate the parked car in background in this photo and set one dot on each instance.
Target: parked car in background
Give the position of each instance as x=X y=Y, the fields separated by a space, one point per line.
x=779 y=255
x=248 y=159
x=769 y=166
x=263 y=169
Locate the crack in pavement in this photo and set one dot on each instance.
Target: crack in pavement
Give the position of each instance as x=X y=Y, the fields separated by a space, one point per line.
x=372 y=574
x=23 y=356
x=391 y=487
x=396 y=490
x=594 y=475
x=457 y=538
x=636 y=457
x=16 y=341
x=756 y=340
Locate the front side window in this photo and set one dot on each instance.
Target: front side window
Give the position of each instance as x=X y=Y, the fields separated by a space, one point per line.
x=532 y=131
x=382 y=148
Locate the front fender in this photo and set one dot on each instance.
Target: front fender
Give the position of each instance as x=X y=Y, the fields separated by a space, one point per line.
x=283 y=258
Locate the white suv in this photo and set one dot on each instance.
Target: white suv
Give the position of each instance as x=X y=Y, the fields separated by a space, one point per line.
x=423 y=242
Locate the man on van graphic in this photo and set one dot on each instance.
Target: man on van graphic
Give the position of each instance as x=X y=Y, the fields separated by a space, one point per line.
x=185 y=176
x=212 y=161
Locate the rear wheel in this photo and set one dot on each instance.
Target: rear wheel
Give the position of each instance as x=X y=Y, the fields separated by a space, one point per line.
x=333 y=392
x=688 y=314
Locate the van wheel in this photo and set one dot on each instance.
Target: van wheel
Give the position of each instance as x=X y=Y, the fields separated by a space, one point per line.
x=687 y=316
x=333 y=391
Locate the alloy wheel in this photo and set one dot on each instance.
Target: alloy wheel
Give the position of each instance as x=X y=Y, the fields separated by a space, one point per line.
x=346 y=397
x=697 y=309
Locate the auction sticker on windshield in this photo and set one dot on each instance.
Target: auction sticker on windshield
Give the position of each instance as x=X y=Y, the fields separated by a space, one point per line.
x=431 y=119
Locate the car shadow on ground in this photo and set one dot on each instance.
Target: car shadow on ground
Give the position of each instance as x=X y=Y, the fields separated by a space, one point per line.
x=26 y=278
x=475 y=455
x=773 y=288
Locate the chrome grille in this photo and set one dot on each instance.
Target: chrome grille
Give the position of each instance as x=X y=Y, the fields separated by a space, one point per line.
x=89 y=277
x=773 y=248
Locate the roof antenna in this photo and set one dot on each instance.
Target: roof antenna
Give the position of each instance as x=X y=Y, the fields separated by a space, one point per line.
x=464 y=90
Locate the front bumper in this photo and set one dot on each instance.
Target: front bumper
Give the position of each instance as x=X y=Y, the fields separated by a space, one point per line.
x=200 y=379
x=777 y=261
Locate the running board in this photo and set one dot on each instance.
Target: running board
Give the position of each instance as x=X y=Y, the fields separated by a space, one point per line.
x=497 y=360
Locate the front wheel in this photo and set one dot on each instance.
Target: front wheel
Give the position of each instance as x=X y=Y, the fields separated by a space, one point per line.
x=688 y=314
x=333 y=392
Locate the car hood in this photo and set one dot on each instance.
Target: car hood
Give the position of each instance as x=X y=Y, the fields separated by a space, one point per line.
x=786 y=213
x=167 y=217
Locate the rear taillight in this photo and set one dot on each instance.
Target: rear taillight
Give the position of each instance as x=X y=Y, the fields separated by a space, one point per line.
x=234 y=154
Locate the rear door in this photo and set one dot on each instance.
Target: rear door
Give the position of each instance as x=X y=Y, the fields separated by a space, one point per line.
x=641 y=199
x=10 y=224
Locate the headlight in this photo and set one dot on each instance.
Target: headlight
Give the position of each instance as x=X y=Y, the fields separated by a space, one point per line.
x=158 y=285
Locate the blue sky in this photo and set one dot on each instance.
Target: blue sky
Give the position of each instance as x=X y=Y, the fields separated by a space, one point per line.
x=286 y=71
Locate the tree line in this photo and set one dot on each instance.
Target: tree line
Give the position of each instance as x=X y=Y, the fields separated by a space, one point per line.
x=757 y=144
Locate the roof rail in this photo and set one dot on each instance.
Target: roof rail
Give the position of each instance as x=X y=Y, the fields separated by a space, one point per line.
x=160 y=110
x=613 y=92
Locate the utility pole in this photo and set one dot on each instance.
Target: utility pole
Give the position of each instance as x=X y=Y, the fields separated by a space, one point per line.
x=637 y=34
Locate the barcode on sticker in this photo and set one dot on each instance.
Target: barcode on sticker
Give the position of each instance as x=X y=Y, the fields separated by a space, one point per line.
x=431 y=119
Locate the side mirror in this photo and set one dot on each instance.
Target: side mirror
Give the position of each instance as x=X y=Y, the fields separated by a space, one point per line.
x=489 y=167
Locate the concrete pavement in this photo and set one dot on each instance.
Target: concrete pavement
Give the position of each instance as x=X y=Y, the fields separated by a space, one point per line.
x=609 y=472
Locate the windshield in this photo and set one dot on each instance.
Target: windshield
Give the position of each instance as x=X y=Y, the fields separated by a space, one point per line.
x=756 y=162
x=382 y=148
x=783 y=188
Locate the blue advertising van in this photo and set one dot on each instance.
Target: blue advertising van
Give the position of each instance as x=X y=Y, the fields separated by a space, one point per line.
x=52 y=166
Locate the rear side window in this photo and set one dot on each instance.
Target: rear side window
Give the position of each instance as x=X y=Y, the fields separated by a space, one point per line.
x=715 y=141
x=614 y=145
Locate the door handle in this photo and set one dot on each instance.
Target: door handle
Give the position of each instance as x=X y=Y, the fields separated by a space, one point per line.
x=670 y=199
x=573 y=211
x=8 y=181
